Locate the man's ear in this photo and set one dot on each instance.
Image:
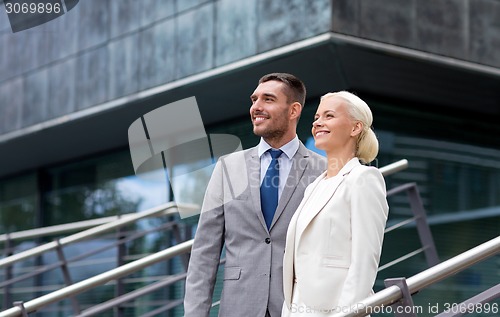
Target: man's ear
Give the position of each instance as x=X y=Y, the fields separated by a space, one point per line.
x=357 y=128
x=295 y=110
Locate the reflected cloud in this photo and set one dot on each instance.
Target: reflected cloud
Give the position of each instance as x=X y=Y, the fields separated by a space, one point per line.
x=172 y=139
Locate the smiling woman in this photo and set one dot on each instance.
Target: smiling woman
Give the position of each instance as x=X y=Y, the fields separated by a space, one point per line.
x=341 y=218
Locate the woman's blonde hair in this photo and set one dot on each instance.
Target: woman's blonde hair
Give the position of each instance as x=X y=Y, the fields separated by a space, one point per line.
x=367 y=142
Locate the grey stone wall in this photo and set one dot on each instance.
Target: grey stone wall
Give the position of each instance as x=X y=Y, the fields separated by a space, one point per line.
x=103 y=49
x=463 y=29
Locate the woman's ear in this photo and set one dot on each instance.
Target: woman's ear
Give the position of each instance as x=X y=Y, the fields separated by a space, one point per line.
x=357 y=128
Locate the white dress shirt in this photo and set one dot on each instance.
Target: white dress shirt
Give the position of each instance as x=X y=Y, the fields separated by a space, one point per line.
x=285 y=160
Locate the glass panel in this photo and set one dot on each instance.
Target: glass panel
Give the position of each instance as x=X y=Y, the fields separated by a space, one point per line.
x=99 y=187
x=18 y=203
x=18 y=211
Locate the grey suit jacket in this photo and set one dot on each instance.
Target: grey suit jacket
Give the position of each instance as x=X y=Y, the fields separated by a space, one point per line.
x=231 y=216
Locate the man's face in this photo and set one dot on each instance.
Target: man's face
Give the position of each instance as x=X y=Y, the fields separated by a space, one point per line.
x=270 y=110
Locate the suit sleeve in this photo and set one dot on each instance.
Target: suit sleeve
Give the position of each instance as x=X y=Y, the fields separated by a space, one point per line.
x=369 y=212
x=206 y=251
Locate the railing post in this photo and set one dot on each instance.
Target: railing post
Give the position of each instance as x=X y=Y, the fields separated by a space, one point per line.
x=120 y=260
x=404 y=307
x=424 y=231
x=178 y=237
x=66 y=275
x=21 y=306
x=7 y=298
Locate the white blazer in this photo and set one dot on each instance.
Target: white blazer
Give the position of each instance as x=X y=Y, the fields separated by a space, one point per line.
x=339 y=248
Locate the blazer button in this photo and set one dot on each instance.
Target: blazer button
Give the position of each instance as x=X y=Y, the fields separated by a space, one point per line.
x=268 y=240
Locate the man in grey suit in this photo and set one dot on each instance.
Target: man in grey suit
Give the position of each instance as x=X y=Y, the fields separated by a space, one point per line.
x=232 y=211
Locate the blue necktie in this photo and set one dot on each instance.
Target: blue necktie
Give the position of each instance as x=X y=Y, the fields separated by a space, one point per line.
x=269 y=188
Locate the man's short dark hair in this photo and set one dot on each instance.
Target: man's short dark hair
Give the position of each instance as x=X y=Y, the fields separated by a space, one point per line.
x=295 y=88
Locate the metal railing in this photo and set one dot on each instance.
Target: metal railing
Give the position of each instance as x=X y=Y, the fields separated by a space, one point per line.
x=119 y=272
x=97 y=280
x=165 y=209
x=428 y=246
x=412 y=285
x=394 y=167
x=116 y=225
x=58 y=229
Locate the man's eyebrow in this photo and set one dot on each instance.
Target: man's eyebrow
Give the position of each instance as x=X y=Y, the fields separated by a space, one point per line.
x=265 y=94
x=268 y=94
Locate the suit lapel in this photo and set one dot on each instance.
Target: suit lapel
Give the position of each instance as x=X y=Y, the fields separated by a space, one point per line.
x=299 y=165
x=322 y=200
x=253 y=164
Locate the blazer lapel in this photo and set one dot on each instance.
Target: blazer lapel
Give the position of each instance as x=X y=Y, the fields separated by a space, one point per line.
x=299 y=165
x=321 y=201
x=288 y=263
x=253 y=165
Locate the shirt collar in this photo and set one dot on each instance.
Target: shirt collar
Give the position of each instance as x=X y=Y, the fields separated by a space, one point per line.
x=289 y=149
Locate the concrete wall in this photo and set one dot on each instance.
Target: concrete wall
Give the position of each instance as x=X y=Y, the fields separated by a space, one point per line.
x=463 y=29
x=102 y=49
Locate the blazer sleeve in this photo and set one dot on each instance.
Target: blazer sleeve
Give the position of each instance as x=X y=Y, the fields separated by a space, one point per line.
x=369 y=210
x=206 y=251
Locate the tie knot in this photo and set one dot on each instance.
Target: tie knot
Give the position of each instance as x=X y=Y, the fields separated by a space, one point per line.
x=275 y=153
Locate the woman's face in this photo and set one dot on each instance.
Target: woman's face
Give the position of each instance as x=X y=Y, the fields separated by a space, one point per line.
x=333 y=128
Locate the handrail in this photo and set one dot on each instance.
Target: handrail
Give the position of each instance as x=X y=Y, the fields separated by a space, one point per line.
x=98 y=280
x=63 y=228
x=425 y=278
x=31 y=272
x=394 y=167
x=92 y=232
x=59 y=229
x=99 y=308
